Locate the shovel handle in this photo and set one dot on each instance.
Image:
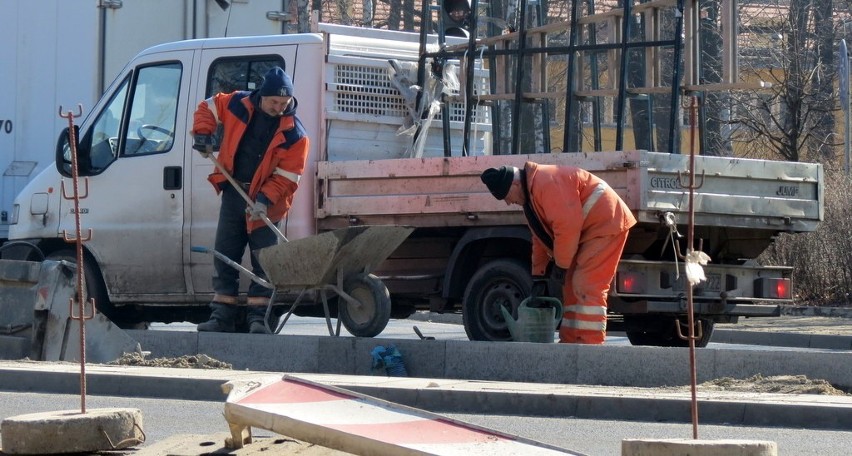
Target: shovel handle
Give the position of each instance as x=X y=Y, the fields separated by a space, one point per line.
x=239 y=190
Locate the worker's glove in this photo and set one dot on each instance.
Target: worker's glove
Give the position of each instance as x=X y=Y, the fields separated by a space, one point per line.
x=203 y=144
x=257 y=211
x=540 y=282
x=539 y=286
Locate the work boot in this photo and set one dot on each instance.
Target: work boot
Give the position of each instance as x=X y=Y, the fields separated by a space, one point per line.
x=255 y=316
x=221 y=319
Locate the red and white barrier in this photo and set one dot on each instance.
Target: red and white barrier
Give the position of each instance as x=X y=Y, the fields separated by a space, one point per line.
x=359 y=424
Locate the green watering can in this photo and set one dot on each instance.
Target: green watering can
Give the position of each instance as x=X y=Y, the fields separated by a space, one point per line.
x=537 y=319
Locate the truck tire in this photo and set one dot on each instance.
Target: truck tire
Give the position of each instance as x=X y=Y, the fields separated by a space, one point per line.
x=661 y=331
x=370 y=317
x=499 y=283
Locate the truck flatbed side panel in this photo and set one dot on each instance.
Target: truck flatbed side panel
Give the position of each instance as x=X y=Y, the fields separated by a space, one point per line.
x=732 y=192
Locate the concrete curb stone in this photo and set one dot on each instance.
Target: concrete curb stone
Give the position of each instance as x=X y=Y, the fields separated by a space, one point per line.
x=456 y=396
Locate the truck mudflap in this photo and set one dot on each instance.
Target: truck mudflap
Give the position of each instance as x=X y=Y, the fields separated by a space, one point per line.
x=652 y=287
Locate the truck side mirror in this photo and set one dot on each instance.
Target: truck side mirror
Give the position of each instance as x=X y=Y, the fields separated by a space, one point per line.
x=63 y=154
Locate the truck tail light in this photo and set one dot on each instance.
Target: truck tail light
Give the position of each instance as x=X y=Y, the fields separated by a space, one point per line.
x=773 y=288
x=630 y=282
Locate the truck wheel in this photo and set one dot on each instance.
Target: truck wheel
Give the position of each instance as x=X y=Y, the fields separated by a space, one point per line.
x=372 y=314
x=499 y=283
x=661 y=332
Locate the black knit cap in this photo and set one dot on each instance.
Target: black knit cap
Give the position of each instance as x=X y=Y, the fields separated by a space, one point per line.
x=276 y=83
x=498 y=180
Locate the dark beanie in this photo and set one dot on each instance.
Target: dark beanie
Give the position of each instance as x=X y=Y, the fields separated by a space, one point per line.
x=498 y=180
x=276 y=83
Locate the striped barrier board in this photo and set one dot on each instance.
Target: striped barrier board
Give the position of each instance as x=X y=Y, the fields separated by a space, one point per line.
x=359 y=424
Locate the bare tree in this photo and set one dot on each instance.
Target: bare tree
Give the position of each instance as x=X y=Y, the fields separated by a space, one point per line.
x=782 y=45
x=822 y=260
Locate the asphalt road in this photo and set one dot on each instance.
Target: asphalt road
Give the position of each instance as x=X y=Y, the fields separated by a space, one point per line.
x=167 y=418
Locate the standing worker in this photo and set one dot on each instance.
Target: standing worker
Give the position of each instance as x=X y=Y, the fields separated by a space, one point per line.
x=578 y=222
x=264 y=148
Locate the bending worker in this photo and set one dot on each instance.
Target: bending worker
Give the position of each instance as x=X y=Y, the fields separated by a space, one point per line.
x=579 y=223
x=264 y=148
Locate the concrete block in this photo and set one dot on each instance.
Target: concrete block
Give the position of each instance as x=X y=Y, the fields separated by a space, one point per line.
x=13 y=348
x=779 y=414
x=176 y=387
x=830 y=342
x=339 y=355
x=490 y=403
x=262 y=352
x=696 y=447
x=422 y=358
x=632 y=408
x=70 y=431
x=512 y=361
x=632 y=366
x=790 y=340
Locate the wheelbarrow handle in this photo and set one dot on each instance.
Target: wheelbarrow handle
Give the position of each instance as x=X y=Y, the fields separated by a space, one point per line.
x=221 y=256
x=242 y=193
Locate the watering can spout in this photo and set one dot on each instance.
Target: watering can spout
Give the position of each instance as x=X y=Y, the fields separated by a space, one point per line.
x=537 y=319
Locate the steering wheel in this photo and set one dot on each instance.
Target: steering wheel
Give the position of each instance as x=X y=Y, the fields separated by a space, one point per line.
x=144 y=137
x=154 y=128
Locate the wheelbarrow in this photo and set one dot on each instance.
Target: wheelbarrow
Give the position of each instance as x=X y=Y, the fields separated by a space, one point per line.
x=338 y=261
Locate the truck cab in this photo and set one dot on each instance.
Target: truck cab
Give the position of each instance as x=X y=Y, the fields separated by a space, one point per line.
x=142 y=193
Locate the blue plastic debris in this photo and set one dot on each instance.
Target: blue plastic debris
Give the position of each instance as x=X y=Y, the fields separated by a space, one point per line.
x=390 y=359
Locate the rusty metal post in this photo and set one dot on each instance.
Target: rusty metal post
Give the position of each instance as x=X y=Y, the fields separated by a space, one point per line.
x=78 y=239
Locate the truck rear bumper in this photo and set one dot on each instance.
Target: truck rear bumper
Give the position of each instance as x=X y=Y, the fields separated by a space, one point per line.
x=699 y=308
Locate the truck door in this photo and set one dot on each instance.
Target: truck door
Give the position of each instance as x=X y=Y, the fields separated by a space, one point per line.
x=223 y=70
x=132 y=152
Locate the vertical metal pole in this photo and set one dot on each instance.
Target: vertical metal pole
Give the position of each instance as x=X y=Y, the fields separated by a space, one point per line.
x=846 y=127
x=693 y=376
x=843 y=83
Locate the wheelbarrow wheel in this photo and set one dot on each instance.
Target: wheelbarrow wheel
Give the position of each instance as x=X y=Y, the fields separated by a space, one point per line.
x=372 y=313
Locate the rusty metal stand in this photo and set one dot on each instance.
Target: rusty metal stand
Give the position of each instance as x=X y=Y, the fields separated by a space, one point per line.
x=78 y=239
x=690 y=242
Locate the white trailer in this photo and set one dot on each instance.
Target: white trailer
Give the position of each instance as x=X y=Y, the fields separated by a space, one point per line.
x=62 y=53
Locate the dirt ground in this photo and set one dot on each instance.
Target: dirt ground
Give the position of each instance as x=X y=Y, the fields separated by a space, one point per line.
x=779 y=384
x=792 y=384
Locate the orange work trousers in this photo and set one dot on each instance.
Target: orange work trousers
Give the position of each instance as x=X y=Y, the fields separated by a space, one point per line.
x=585 y=289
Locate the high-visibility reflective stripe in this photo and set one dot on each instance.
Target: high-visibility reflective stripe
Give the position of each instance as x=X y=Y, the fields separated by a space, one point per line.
x=586 y=310
x=287 y=175
x=256 y=300
x=587 y=325
x=212 y=106
x=224 y=299
x=593 y=198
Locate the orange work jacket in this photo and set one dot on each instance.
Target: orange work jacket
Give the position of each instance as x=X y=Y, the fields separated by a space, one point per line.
x=283 y=163
x=573 y=206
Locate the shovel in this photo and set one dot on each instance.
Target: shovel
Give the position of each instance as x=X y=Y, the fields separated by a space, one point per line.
x=242 y=193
